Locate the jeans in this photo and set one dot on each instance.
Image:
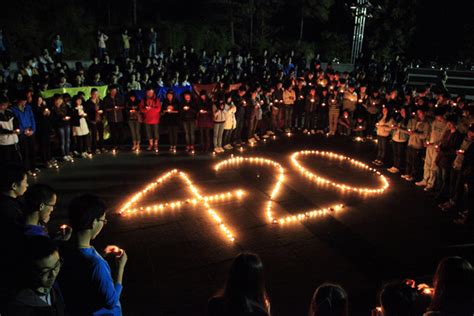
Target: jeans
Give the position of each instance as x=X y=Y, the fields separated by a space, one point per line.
x=310 y=120
x=413 y=162
x=64 y=140
x=430 y=168
x=27 y=151
x=333 y=119
x=44 y=146
x=399 y=149
x=205 y=137
x=237 y=134
x=173 y=135
x=96 y=130
x=227 y=139
x=135 y=130
x=189 y=131
x=382 y=144
x=218 y=132
x=152 y=131
x=252 y=126
x=288 y=116
x=116 y=133
x=152 y=50
x=83 y=143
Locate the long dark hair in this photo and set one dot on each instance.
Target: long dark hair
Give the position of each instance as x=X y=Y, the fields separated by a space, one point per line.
x=329 y=300
x=453 y=287
x=245 y=288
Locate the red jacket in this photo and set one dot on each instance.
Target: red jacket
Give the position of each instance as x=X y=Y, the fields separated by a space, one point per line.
x=151 y=109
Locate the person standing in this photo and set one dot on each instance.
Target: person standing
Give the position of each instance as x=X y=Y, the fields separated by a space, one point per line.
x=61 y=116
x=419 y=129
x=205 y=121
x=95 y=121
x=170 y=118
x=230 y=122
x=9 y=130
x=384 y=128
x=134 y=118
x=289 y=98
x=150 y=107
x=27 y=124
x=80 y=130
x=152 y=39
x=219 y=120
x=113 y=107
x=400 y=138
x=187 y=113
x=126 y=44
x=58 y=49
x=44 y=128
x=101 y=44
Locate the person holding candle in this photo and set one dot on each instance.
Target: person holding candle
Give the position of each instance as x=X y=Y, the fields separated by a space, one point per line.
x=134 y=118
x=384 y=128
x=345 y=124
x=187 y=113
x=450 y=142
x=400 y=138
x=240 y=102
x=170 y=118
x=61 y=116
x=27 y=125
x=300 y=103
x=89 y=288
x=9 y=130
x=252 y=111
x=230 y=122
x=244 y=292
x=453 y=285
x=289 y=98
x=322 y=112
x=419 y=129
x=95 y=121
x=80 y=130
x=44 y=129
x=150 y=107
x=311 y=101
x=349 y=102
x=334 y=101
x=219 y=121
x=373 y=108
x=399 y=298
x=438 y=128
x=113 y=108
x=275 y=107
x=329 y=299
x=204 y=121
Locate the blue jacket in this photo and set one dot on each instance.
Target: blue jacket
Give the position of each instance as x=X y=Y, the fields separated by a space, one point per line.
x=87 y=284
x=25 y=118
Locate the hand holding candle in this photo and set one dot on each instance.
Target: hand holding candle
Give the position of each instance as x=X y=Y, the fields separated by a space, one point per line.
x=114 y=250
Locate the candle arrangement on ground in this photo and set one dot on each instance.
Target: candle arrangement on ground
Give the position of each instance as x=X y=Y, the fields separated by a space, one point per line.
x=338 y=185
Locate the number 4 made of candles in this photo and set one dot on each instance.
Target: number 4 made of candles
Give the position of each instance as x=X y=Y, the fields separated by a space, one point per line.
x=130 y=207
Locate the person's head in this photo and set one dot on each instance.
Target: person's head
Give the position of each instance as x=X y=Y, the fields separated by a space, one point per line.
x=42 y=263
x=453 y=285
x=329 y=300
x=420 y=113
x=113 y=91
x=451 y=122
x=246 y=280
x=203 y=95
x=40 y=199
x=94 y=93
x=384 y=111
x=13 y=181
x=76 y=100
x=3 y=103
x=399 y=299
x=187 y=97
x=87 y=214
x=150 y=92
x=170 y=95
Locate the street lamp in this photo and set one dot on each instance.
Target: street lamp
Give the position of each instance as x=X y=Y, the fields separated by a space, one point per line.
x=360 y=10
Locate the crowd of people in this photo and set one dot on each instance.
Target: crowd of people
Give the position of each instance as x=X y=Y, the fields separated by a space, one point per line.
x=61 y=273
x=229 y=100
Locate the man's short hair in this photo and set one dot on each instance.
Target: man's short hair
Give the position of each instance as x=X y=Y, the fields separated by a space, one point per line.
x=84 y=209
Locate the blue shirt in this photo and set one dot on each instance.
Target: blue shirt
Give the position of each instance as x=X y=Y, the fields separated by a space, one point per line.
x=35 y=230
x=87 y=284
x=26 y=118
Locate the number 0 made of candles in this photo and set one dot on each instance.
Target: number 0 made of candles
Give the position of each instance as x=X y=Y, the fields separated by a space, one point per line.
x=131 y=206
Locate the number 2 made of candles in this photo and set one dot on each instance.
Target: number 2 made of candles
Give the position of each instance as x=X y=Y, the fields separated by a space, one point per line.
x=131 y=207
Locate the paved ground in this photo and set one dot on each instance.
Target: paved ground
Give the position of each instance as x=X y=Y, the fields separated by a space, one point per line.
x=178 y=258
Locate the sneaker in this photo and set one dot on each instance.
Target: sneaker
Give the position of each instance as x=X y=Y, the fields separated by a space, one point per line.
x=404 y=176
x=265 y=136
x=313 y=132
x=252 y=140
x=428 y=189
x=97 y=151
x=32 y=173
x=85 y=155
x=271 y=133
x=421 y=184
x=409 y=178
x=305 y=131
x=257 y=137
x=228 y=147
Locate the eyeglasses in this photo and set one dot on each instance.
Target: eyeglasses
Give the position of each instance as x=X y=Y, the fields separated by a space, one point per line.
x=56 y=268
x=50 y=205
